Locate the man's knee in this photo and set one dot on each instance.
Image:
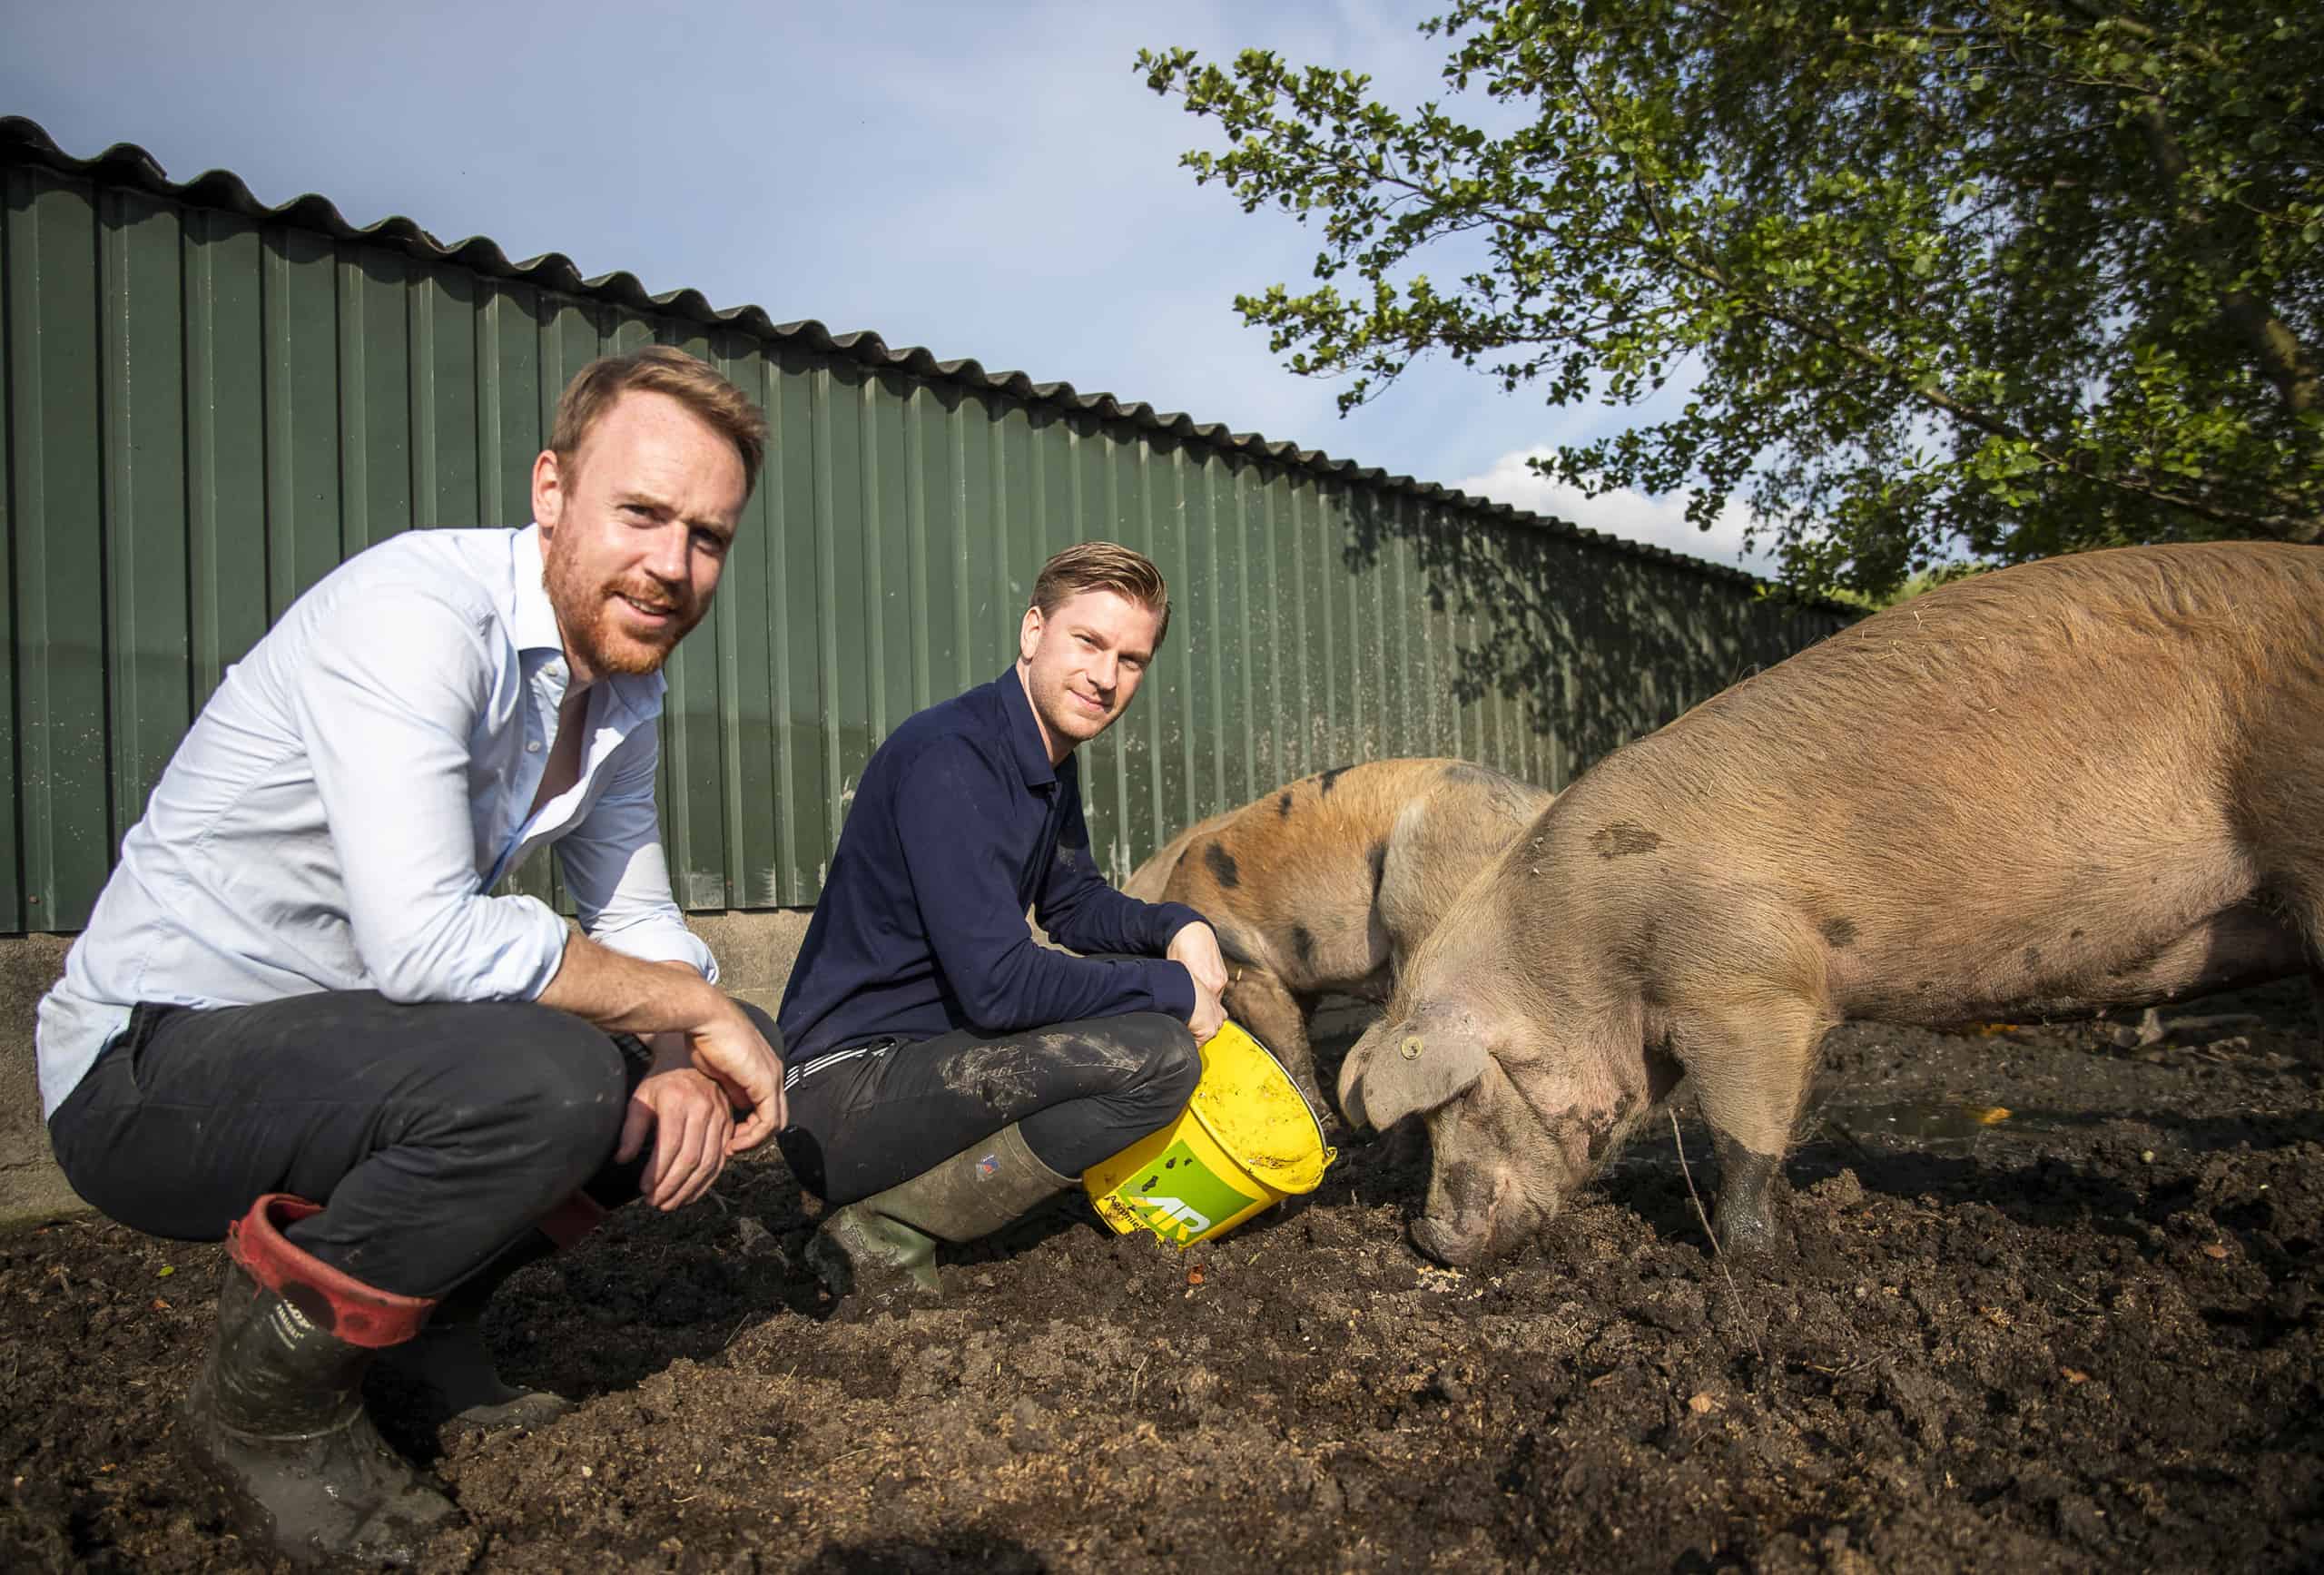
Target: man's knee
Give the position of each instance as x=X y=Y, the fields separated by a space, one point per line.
x=559 y=1079
x=1171 y=1064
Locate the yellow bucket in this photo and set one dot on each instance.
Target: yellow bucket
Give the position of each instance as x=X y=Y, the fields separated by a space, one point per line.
x=1246 y=1142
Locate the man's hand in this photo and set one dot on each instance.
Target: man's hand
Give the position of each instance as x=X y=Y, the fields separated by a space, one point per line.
x=622 y=994
x=691 y=1123
x=728 y=1050
x=1196 y=947
x=1209 y=1013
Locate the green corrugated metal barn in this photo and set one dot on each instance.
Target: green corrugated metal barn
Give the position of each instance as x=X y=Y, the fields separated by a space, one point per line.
x=208 y=403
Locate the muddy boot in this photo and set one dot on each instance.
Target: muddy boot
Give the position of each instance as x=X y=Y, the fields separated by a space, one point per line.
x=887 y=1240
x=447 y=1367
x=276 y=1417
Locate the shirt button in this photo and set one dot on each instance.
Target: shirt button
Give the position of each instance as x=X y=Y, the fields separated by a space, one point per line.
x=533 y=747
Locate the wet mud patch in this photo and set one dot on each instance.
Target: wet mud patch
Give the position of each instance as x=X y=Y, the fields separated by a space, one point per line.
x=2086 y=1332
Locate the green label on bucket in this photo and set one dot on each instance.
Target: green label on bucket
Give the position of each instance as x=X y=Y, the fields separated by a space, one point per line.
x=1178 y=1199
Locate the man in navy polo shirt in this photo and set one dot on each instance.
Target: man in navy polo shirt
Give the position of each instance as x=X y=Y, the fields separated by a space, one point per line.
x=948 y=1072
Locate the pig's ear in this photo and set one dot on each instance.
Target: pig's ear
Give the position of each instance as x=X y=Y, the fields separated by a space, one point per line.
x=1411 y=1073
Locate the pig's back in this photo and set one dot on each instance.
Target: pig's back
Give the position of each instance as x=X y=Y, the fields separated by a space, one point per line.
x=1152 y=881
x=1314 y=842
x=1291 y=877
x=2080 y=756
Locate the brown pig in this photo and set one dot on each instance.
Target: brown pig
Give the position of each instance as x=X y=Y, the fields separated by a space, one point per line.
x=2085 y=783
x=1328 y=883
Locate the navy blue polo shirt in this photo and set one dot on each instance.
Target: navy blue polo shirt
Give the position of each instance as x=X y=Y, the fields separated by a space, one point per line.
x=959 y=824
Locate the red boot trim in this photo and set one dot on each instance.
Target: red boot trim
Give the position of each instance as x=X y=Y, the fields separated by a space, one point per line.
x=571 y=1220
x=342 y=1305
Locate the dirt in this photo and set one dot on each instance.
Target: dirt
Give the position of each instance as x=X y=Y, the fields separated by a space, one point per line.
x=2043 y=1303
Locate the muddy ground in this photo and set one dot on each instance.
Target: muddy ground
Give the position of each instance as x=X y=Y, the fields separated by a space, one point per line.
x=2085 y=1334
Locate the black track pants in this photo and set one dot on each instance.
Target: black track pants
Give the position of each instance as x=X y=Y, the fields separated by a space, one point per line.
x=863 y=1119
x=433 y=1134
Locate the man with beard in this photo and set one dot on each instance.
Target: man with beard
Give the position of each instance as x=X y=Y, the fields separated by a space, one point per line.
x=298 y=1020
x=923 y=1019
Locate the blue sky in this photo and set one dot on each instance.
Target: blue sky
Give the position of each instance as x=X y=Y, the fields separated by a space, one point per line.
x=986 y=179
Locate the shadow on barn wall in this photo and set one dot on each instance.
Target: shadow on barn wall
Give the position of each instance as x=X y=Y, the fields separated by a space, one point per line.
x=1598 y=646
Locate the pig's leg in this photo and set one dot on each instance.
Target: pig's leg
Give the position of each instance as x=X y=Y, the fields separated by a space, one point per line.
x=1746 y=1222
x=1750 y=1066
x=1260 y=1002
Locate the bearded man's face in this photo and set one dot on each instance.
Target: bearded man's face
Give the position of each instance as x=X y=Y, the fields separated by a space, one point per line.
x=634 y=530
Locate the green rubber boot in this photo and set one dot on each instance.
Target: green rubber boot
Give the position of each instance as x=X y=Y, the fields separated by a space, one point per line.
x=887 y=1242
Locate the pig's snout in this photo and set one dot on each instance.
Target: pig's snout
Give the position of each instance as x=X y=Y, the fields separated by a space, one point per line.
x=1462 y=1245
x=1447 y=1243
x=1472 y=1216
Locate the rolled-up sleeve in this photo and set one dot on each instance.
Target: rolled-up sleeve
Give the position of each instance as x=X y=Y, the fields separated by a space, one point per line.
x=395 y=681
x=616 y=869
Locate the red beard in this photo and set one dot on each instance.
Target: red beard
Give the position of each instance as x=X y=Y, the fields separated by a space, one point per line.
x=589 y=621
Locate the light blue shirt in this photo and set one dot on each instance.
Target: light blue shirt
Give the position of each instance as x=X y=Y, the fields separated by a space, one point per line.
x=357 y=784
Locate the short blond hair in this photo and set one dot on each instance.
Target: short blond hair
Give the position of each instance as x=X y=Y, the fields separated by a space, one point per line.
x=1104 y=566
x=660 y=370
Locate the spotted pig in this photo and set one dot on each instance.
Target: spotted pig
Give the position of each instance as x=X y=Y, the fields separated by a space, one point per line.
x=1329 y=883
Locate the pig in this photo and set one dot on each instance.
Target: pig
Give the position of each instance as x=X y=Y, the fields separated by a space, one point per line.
x=1328 y=883
x=2080 y=783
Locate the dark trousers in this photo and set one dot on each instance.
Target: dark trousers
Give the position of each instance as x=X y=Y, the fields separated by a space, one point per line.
x=863 y=1119
x=434 y=1135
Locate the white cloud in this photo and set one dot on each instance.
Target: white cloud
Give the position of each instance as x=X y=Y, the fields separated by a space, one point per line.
x=1634 y=516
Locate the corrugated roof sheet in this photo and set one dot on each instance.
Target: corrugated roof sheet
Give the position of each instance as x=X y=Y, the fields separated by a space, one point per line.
x=24 y=142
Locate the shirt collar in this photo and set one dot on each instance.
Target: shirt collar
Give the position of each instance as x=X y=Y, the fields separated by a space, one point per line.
x=1025 y=733
x=531 y=619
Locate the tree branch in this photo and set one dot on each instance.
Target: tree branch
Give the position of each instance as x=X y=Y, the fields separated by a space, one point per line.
x=2276 y=350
